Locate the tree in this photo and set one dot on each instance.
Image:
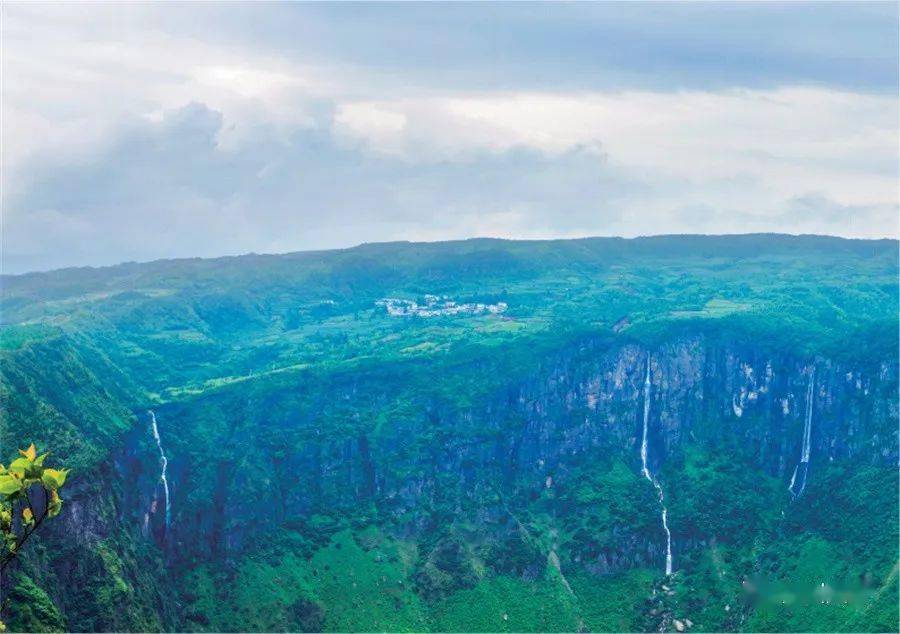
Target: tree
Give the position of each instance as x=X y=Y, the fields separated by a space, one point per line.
x=29 y=494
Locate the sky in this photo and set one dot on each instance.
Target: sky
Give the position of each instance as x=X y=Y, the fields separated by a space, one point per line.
x=133 y=132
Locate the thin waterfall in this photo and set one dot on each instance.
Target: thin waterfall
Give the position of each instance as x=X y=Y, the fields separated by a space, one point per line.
x=649 y=476
x=164 y=464
x=803 y=466
x=807 y=428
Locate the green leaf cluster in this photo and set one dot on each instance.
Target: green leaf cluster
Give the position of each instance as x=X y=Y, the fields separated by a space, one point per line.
x=29 y=494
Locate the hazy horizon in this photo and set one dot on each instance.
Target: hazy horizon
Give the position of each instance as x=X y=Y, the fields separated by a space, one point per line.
x=449 y=240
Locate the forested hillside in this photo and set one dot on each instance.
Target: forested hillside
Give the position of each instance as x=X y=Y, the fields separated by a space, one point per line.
x=482 y=435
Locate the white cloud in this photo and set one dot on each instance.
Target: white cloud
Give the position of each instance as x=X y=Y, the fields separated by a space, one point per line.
x=381 y=127
x=785 y=141
x=295 y=152
x=70 y=82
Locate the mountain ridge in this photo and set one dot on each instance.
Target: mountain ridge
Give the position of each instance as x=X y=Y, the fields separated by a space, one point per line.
x=449 y=242
x=354 y=441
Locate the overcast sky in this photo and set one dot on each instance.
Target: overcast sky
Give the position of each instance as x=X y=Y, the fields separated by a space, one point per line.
x=137 y=132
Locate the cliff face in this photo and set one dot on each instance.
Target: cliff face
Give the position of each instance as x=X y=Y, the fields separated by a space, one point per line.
x=92 y=563
x=531 y=443
x=712 y=394
x=547 y=440
x=582 y=404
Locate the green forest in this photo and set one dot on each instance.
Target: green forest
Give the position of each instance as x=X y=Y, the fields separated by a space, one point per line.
x=472 y=436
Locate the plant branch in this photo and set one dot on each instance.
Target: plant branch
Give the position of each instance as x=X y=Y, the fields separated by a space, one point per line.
x=7 y=559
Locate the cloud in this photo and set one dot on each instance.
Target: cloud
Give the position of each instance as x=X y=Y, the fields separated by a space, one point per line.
x=132 y=132
x=804 y=214
x=168 y=185
x=752 y=152
x=724 y=134
x=572 y=46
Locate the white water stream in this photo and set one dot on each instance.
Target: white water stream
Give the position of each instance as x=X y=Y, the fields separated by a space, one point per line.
x=164 y=463
x=803 y=466
x=649 y=476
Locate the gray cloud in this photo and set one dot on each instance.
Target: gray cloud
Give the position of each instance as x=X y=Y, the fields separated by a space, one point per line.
x=812 y=212
x=565 y=46
x=133 y=132
x=166 y=187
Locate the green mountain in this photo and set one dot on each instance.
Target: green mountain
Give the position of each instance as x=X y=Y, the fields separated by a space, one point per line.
x=482 y=435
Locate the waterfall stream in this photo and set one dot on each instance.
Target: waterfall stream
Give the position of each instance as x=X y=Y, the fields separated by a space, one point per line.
x=802 y=467
x=649 y=476
x=164 y=463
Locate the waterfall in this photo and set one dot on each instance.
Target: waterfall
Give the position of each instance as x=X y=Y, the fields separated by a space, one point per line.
x=646 y=472
x=803 y=466
x=807 y=428
x=164 y=463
